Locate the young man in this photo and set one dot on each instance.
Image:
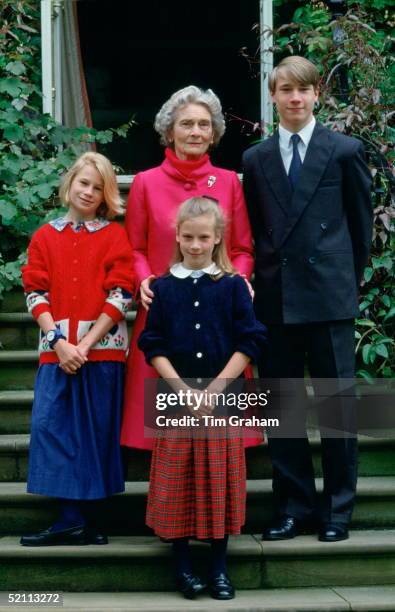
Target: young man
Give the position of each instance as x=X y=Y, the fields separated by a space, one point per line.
x=308 y=195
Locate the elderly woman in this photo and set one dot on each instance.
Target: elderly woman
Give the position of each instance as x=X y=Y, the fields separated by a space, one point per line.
x=189 y=123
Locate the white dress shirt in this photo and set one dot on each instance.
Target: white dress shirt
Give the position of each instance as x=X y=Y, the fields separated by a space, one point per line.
x=286 y=148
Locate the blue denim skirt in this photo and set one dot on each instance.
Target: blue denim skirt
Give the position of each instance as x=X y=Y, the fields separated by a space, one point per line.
x=76 y=419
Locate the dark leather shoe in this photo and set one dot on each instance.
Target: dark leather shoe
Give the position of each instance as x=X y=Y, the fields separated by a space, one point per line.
x=74 y=535
x=286 y=528
x=190 y=585
x=220 y=587
x=95 y=537
x=333 y=532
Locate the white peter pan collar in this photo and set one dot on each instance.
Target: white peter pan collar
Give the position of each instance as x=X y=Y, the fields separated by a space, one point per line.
x=180 y=271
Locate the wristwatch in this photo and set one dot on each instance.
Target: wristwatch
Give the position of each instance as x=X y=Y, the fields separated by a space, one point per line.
x=52 y=336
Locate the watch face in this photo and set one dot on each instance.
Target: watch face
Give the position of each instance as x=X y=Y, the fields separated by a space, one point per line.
x=51 y=335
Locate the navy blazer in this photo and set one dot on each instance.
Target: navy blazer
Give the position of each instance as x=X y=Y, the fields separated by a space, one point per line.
x=311 y=245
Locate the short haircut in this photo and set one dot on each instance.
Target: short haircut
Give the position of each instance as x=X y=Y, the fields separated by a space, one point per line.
x=298 y=69
x=112 y=204
x=164 y=120
x=204 y=205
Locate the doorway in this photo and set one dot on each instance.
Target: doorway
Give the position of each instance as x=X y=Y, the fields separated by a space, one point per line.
x=136 y=54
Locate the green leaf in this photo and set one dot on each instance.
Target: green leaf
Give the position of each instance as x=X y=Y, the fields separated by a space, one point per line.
x=381 y=350
x=365 y=323
x=44 y=191
x=386 y=300
x=13 y=133
x=19 y=103
x=16 y=68
x=368 y=273
x=7 y=210
x=366 y=375
x=11 y=85
x=365 y=353
x=390 y=314
x=24 y=198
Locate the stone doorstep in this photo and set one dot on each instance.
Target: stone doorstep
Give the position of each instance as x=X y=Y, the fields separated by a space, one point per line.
x=362 y=543
x=141 y=563
x=336 y=599
x=25 y=396
x=368 y=486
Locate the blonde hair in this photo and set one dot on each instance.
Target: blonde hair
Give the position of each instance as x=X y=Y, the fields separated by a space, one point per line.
x=204 y=205
x=112 y=204
x=298 y=69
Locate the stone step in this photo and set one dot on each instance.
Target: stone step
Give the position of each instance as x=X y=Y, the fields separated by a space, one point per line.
x=125 y=513
x=129 y=563
x=327 y=599
x=19 y=331
x=376 y=455
x=15 y=411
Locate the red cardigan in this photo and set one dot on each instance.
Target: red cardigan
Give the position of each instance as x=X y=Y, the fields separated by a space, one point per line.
x=76 y=276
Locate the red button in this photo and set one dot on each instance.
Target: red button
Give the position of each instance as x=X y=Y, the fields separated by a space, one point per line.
x=75 y=279
x=188 y=186
x=74 y=297
x=75 y=260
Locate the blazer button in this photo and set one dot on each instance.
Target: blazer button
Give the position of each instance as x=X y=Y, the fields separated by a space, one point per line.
x=270 y=231
x=284 y=261
x=199 y=355
x=196 y=304
x=312 y=260
x=324 y=226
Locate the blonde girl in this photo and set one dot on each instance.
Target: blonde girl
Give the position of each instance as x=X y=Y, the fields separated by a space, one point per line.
x=200 y=326
x=78 y=283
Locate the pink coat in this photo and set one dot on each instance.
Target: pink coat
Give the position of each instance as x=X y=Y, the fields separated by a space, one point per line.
x=152 y=205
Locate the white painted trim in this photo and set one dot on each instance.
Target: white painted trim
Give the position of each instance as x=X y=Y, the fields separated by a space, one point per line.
x=266 y=42
x=51 y=31
x=46 y=56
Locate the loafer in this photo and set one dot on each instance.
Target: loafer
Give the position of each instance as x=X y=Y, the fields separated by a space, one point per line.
x=74 y=536
x=95 y=537
x=333 y=532
x=286 y=528
x=220 y=587
x=190 y=585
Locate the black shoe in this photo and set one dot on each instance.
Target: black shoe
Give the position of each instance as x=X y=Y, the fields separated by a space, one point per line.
x=190 y=585
x=286 y=528
x=220 y=587
x=333 y=532
x=95 y=537
x=75 y=536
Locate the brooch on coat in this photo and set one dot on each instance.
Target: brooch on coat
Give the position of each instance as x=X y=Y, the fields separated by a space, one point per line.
x=211 y=180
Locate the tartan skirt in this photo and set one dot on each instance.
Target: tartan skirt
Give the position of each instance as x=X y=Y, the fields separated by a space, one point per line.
x=197 y=487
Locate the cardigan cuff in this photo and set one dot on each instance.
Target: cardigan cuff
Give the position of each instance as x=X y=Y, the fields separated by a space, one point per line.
x=39 y=309
x=113 y=312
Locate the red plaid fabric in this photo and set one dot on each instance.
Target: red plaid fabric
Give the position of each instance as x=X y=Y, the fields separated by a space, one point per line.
x=197 y=487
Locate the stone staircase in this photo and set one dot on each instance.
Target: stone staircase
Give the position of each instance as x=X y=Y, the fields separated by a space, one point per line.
x=134 y=571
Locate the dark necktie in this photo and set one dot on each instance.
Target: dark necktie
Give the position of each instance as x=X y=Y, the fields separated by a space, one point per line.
x=296 y=162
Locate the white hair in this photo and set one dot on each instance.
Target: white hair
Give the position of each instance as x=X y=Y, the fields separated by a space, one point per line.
x=164 y=120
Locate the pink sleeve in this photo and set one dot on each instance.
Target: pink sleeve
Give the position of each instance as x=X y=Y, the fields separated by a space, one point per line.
x=136 y=224
x=241 y=249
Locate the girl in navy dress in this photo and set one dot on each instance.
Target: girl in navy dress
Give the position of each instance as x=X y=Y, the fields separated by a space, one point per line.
x=200 y=325
x=78 y=283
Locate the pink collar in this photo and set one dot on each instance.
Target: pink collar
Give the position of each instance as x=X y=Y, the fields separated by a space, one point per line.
x=185 y=167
